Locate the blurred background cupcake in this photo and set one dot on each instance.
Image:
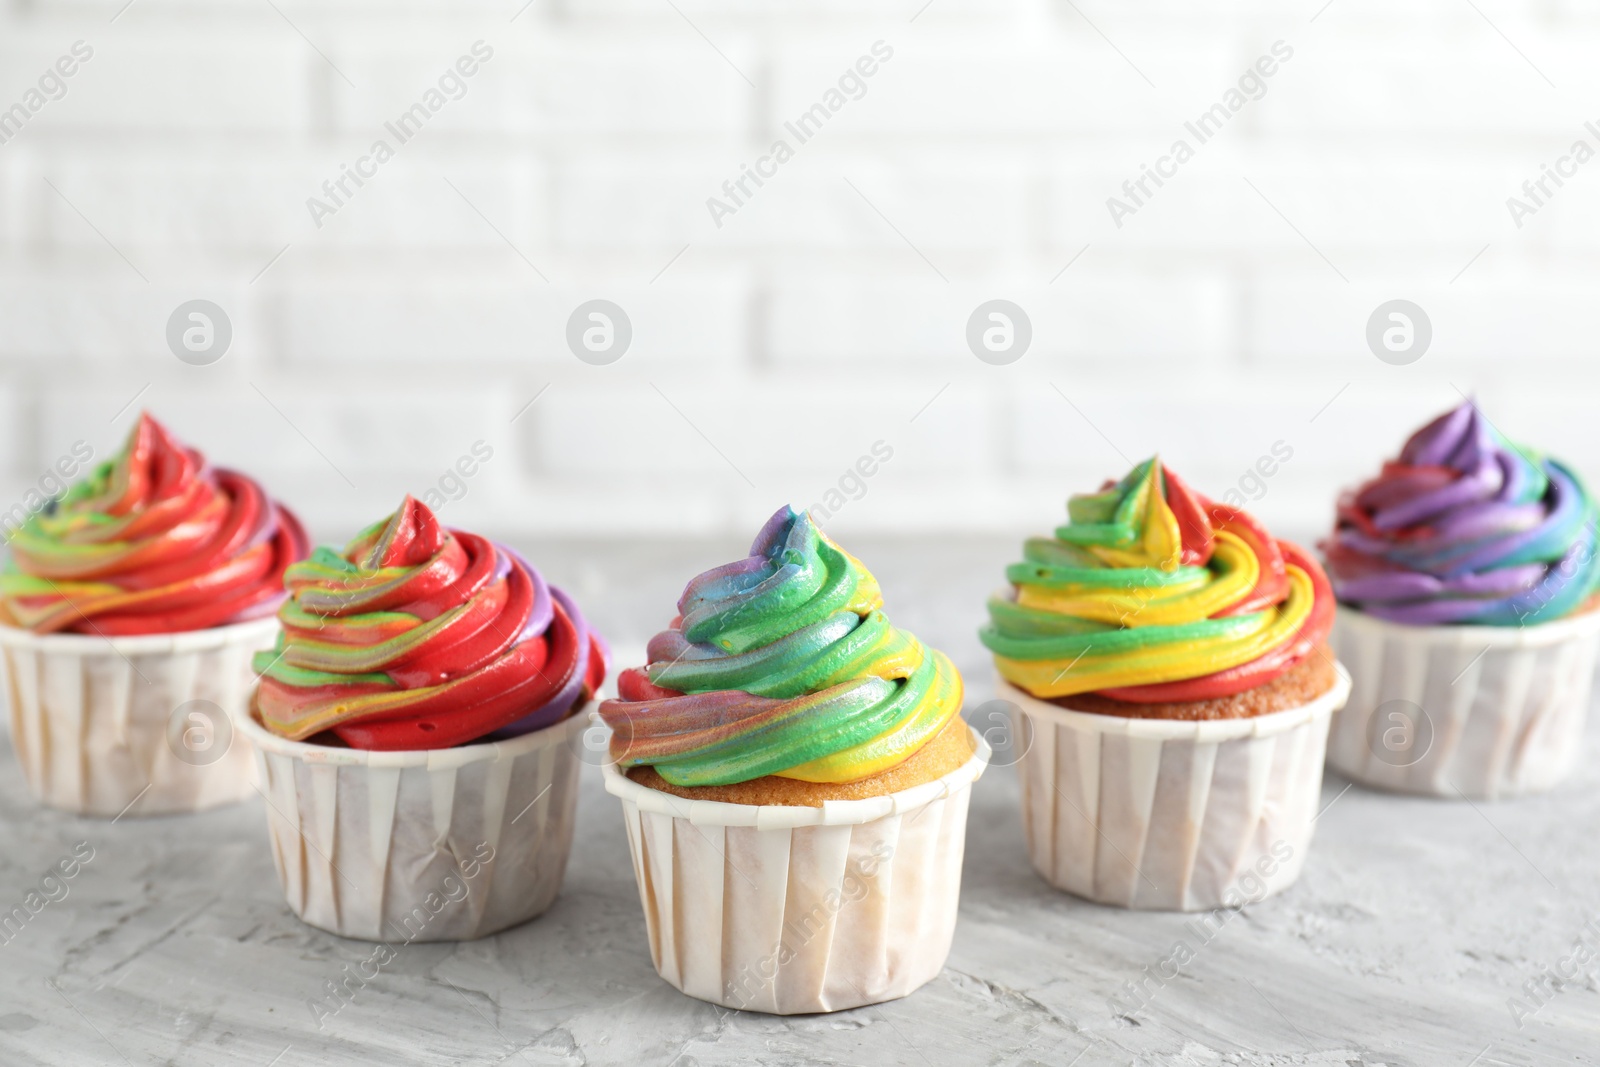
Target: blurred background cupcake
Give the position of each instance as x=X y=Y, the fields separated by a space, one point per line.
x=1467 y=574
x=1170 y=685
x=416 y=726
x=794 y=776
x=129 y=610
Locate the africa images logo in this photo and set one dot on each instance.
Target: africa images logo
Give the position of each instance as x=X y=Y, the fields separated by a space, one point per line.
x=1252 y=85
x=805 y=126
x=407 y=125
x=52 y=85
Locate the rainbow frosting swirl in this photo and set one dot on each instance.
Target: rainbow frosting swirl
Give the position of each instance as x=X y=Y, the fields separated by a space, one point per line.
x=152 y=541
x=782 y=664
x=1152 y=593
x=1466 y=527
x=419 y=637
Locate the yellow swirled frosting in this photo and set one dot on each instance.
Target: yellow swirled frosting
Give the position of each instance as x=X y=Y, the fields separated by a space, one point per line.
x=1153 y=593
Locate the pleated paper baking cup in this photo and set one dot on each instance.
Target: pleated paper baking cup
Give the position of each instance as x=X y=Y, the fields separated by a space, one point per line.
x=789 y=910
x=443 y=845
x=1451 y=711
x=103 y=725
x=1165 y=815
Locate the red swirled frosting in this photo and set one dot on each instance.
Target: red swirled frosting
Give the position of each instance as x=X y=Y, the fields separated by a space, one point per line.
x=153 y=541
x=419 y=637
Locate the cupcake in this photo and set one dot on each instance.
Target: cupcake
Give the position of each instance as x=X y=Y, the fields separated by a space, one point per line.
x=129 y=610
x=1467 y=574
x=1171 y=688
x=415 y=726
x=794 y=776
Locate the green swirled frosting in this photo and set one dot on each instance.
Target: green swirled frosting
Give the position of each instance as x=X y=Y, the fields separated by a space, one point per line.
x=781 y=663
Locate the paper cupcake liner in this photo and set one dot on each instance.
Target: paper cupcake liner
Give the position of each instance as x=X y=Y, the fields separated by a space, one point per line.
x=444 y=845
x=1480 y=711
x=788 y=910
x=1170 y=816
x=103 y=725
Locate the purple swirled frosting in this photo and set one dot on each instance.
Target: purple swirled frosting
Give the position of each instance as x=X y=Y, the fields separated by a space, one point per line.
x=1466 y=527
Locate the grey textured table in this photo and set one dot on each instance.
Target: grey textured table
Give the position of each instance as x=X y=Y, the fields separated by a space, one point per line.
x=1414 y=925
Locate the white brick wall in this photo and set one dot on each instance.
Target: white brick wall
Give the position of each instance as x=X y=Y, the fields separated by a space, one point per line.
x=826 y=313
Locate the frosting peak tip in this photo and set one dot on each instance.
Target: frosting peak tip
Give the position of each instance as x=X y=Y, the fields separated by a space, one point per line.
x=410 y=536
